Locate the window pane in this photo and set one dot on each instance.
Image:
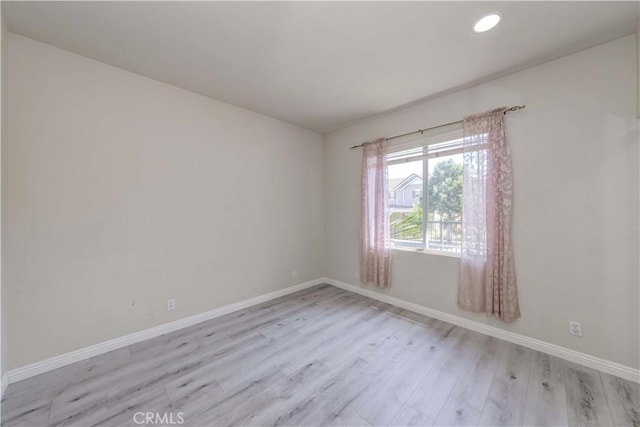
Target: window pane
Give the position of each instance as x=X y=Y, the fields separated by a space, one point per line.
x=405 y=204
x=444 y=204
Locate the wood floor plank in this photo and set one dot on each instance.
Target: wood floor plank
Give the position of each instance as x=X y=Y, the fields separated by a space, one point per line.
x=229 y=408
x=210 y=364
x=66 y=410
x=229 y=365
x=433 y=392
x=623 y=398
x=89 y=413
x=25 y=409
x=546 y=403
x=457 y=413
x=299 y=388
x=355 y=379
x=359 y=388
x=366 y=336
x=315 y=408
x=265 y=320
x=504 y=405
x=383 y=403
x=136 y=374
x=418 y=318
x=52 y=382
x=273 y=313
x=287 y=347
x=473 y=386
x=201 y=381
x=343 y=309
x=350 y=420
x=325 y=340
x=408 y=416
x=319 y=293
x=235 y=373
x=321 y=309
x=189 y=408
x=384 y=361
x=586 y=402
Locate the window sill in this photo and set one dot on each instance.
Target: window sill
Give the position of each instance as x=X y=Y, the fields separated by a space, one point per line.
x=428 y=252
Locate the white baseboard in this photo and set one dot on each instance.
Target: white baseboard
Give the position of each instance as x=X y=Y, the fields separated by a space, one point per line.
x=597 y=363
x=46 y=365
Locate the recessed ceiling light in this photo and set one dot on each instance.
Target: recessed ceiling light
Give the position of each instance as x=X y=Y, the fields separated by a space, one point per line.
x=486 y=23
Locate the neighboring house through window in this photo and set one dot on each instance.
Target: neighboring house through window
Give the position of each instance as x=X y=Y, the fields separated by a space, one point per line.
x=403 y=191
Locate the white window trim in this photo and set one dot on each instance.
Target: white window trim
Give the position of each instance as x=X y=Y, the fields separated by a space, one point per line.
x=426 y=251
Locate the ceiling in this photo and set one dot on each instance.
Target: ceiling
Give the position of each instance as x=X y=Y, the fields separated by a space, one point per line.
x=320 y=65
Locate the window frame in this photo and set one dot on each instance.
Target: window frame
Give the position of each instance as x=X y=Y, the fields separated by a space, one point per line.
x=424 y=140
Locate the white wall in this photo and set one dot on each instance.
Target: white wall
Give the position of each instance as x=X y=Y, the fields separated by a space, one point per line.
x=122 y=192
x=575 y=158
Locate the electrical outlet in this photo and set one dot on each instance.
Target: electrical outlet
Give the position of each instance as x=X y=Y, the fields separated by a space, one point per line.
x=575 y=328
x=294 y=274
x=171 y=304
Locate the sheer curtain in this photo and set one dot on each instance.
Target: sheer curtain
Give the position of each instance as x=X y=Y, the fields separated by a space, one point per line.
x=375 y=250
x=487 y=271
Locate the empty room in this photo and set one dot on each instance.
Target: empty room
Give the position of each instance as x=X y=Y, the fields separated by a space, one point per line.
x=320 y=213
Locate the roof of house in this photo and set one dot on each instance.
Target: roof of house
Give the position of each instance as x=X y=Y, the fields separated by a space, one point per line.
x=399 y=183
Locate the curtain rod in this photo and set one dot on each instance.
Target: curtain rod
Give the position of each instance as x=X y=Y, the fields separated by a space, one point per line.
x=514 y=108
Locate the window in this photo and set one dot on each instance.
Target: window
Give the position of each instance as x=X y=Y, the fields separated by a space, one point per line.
x=426 y=180
x=392 y=198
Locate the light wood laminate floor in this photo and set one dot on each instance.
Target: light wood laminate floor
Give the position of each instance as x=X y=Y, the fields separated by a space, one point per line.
x=325 y=356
